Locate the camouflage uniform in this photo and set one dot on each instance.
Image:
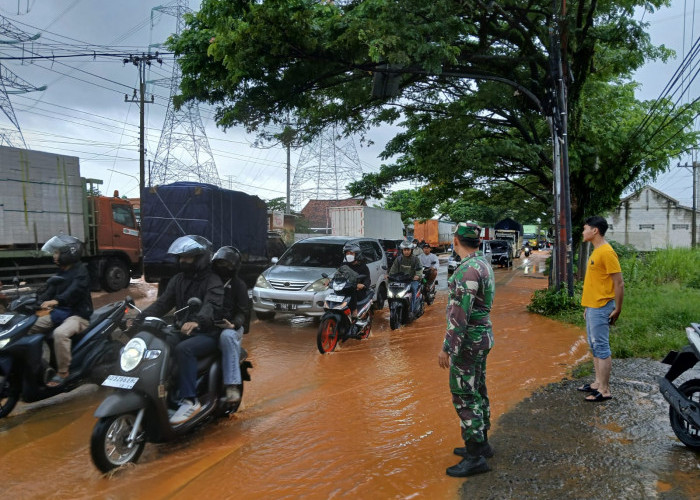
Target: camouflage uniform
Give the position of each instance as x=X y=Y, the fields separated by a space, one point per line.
x=468 y=340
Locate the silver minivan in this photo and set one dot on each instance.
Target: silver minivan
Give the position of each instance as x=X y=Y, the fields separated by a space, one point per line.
x=295 y=283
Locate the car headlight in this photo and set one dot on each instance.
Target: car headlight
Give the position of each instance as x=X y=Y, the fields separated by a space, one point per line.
x=261 y=282
x=4 y=342
x=319 y=285
x=132 y=354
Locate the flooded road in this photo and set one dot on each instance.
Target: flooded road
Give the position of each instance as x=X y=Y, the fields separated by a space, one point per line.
x=374 y=419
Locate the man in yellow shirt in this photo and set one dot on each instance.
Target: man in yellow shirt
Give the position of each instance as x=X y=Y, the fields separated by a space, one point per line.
x=603 y=291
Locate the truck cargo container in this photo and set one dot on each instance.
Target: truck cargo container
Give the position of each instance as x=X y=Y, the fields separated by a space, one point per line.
x=437 y=233
x=223 y=216
x=511 y=230
x=369 y=222
x=42 y=195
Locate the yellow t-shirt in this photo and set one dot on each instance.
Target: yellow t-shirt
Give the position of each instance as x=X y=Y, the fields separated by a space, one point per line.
x=598 y=288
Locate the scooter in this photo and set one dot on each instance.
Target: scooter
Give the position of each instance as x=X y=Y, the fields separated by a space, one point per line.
x=139 y=409
x=684 y=400
x=399 y=298
x=429 y=291
x=27 y=360
x=526 y=249
x=337 y=324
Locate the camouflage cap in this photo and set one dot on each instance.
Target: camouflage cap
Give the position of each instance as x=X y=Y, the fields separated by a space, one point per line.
x=468 y=230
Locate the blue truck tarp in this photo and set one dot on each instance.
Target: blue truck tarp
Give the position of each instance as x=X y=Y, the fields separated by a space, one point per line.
x=222 y=216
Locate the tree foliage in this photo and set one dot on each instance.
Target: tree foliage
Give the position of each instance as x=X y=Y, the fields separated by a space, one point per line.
x=257 y=61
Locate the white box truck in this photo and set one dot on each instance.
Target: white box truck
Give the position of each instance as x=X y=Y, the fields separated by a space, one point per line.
x=369 y=222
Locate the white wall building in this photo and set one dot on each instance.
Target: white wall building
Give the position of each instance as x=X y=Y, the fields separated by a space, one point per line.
x=650 y=219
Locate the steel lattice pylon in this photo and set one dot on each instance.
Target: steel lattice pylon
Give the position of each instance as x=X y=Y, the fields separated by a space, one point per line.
x=183 y=152
x=10 y=35
x=325 y=168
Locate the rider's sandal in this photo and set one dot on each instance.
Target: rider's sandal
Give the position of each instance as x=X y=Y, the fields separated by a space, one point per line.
x=56 y=381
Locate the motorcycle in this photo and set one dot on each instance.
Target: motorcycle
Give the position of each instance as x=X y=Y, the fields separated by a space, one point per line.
x=684 y=400
x=337 y=324
x=144 y=397
x=526 y=249
x=399 y=298
x=27 y=360
x=429 y=291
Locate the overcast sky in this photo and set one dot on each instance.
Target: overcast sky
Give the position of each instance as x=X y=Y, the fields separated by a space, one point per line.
x=82 y=111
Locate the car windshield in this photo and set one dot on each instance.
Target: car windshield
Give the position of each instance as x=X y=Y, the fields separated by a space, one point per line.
x=313 y=255
x=498 y=246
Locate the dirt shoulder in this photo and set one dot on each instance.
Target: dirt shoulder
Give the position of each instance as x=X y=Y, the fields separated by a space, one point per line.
x=556 y=445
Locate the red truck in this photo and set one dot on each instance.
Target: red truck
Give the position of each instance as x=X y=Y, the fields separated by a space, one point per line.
x=41 y=195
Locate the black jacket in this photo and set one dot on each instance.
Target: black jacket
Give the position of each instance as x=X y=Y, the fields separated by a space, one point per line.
x=236 y=304
x=73 y=292
x=207 y=287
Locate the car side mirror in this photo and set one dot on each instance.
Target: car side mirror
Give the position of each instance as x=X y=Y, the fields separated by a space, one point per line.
x=385 y=268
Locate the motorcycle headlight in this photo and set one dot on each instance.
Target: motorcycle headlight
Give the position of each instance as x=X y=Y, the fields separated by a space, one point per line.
x=401 y=294
x=318 y=286
x=390 y=294
x=132 y=354
x=4 y=342
x=261 y=282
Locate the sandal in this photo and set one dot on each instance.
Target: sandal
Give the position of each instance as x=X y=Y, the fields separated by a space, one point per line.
x=586 y=388
x=597 y=397
x=56 y=381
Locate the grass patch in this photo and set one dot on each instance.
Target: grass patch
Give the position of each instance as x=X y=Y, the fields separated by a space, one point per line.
x=662 y=297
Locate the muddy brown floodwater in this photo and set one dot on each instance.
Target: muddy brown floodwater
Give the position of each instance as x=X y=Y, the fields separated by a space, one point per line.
x=372 y=420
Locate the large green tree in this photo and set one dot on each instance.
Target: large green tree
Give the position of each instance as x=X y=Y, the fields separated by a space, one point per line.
x=257 y=61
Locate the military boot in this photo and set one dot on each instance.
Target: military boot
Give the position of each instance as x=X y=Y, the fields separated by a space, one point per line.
x=483 y=449
x=471 y=464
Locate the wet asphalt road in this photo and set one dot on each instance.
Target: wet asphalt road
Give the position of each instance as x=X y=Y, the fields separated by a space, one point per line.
x=373 y=420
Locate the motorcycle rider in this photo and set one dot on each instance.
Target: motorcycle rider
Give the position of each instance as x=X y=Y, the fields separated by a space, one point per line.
x=69 y=301
x=226 y=262
x=352 y=261
x=198 y=334
x=407 y=263
x=431 y=261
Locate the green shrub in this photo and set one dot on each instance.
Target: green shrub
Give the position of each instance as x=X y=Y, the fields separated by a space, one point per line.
x=550 y=302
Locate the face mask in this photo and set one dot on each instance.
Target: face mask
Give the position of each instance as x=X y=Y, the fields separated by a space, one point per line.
x=350 y=258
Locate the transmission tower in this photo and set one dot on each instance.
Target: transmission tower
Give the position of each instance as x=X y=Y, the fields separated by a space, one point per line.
x=183 y=152
x=325 y=168
x=10 y=35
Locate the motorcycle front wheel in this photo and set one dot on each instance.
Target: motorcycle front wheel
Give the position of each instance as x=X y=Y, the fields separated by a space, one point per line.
x=367 y=330
x=108 y=444
x=9 y=396
x=328 y=334
x=685 y=431
x=395 y=316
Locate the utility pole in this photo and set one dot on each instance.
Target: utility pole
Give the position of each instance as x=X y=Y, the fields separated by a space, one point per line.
x=694 y=169
x=141 y=62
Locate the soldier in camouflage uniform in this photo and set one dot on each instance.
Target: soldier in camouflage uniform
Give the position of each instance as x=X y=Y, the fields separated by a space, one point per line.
x=468 y=340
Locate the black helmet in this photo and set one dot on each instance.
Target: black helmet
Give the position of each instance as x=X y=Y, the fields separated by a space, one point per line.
x=69 y=248
x=226 y=262
x=195 y=246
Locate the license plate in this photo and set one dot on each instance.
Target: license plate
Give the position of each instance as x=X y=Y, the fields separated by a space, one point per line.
x=120 y=381
x=335 y=298
x=286 y=307
x=5 y=318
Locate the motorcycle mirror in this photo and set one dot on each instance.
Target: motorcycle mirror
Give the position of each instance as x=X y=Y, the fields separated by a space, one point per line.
x=15 y=281
x=274 y=260
x=194 y=304
x=324 y=275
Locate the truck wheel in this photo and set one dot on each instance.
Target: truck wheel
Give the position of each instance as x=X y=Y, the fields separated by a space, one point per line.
x=115 y=276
